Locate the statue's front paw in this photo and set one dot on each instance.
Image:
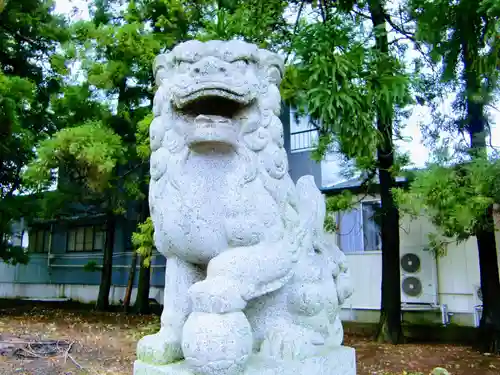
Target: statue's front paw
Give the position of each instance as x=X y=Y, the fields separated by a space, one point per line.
x=216 y=295
x=160 y=349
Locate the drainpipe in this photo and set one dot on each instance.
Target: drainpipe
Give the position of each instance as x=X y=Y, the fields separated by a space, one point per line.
x=49 y=254
x=478 y=310
x=445 y=316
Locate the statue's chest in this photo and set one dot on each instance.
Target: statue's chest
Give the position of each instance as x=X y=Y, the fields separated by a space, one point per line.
x=205 y=186
x=206 y=210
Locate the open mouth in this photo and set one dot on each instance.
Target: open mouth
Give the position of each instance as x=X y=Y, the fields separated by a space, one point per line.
x=214 y=102
x=213 y=114
x=213 y=106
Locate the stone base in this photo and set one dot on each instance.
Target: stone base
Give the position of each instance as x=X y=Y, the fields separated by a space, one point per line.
x=337 y=361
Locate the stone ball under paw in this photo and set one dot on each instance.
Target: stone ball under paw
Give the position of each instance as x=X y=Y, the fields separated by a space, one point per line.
x=217 y=343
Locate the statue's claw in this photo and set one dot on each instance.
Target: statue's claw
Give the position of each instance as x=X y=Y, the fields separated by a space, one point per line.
x=161 y=348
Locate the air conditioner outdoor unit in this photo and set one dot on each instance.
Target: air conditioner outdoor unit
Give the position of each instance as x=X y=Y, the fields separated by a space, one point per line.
x=418 y=277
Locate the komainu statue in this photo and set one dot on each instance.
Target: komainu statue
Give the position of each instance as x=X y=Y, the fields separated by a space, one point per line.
x=253 y=284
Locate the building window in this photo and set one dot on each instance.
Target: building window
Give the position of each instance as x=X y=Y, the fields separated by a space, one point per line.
x=86 y=238
x=359 y=228
x=39 y=240
x=303 y=135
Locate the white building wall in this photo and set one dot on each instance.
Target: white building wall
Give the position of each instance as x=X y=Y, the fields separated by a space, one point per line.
x=74 y=292
x=366 y=276
x=457 y=270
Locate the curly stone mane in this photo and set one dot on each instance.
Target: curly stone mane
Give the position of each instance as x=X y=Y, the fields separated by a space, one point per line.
x=260 y=139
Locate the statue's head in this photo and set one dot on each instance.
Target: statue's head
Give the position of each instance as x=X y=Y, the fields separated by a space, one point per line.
x=212 y=86
x=219 y=96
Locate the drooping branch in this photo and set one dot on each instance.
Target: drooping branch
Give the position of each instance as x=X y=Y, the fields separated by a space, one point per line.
x=361 y=14
x=296 y=26
x=19 y=36
x=400 y=29
x=409 y=36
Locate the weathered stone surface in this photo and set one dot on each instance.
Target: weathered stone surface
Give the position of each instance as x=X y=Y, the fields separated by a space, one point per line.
x=339 y=361
x=249 y=267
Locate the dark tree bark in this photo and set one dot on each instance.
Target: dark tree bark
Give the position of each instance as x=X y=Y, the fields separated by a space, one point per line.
x=142 y=301
x=389 y=329
x=130 y=282
x=489 y=328
x=107 y=264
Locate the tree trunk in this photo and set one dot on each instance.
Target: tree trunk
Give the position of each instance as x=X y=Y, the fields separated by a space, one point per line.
x=130 y=282
x=143 y=284
x=389 y=329
x=107 y=264
x=489 y=327
x=142 y=301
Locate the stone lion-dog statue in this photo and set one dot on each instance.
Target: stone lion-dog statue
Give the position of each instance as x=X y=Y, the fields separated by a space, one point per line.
x=250 y=273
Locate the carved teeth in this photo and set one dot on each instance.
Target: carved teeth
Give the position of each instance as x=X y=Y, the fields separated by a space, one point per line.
x=201 y=119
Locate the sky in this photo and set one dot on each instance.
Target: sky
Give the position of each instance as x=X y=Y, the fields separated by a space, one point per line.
x=418 y=152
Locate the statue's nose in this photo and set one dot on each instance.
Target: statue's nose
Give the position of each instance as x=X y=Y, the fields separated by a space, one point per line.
x=208 y=66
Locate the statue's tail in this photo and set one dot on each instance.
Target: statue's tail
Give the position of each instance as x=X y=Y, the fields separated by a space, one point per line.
x=310 y=205
x=312 y=211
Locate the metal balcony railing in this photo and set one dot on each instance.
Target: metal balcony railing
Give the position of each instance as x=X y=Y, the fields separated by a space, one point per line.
x=304 y=140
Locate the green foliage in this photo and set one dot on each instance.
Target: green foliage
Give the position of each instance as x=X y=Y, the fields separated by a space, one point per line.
x=463 y=40
x=106 y=118
x=265 y=26
x=91 y=149
x=454 y=198
x=330 y=226
x=340 y=202
x=16 y=94
x=29 y=35
x=142 y=136
x=343 y=201
x=334 y=75
x=143 y=241
x=439 y=245
x=13 y=254
x=460 y=187
x=91 y=266
x=77 y=104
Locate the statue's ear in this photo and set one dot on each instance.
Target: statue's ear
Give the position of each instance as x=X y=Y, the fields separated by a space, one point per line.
x=273 y=65
x=274 y=74
x=162 y=67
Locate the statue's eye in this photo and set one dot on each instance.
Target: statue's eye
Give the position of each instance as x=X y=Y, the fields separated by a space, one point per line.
x=241 y=63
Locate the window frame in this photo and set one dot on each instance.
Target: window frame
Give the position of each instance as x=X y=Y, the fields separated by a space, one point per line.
x=358 y=207
x=302 y=127
x=46 y=240
x=84 y=227
x=371 y=201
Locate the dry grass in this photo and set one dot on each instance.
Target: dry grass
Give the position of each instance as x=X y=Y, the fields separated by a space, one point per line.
x=104 y=343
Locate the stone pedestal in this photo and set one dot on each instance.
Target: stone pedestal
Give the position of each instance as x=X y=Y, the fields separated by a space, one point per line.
x=337 y=361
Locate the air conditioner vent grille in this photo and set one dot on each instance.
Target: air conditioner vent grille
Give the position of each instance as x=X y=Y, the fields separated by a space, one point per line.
x=410 y=263
x=412 y=286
